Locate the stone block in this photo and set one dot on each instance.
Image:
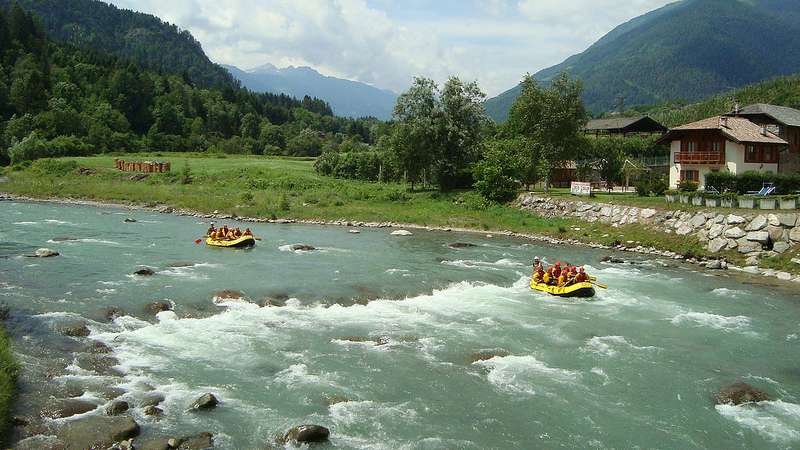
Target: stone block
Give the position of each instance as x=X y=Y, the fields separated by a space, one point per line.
x=746 y=246
x=762 y=237
x=717 y=245
x=781 y=247
x=715 y=231
x=733 y=219
x=734 y=233
x=757 y=224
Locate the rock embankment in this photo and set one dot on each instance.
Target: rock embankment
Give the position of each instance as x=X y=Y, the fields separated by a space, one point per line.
x=755 y=234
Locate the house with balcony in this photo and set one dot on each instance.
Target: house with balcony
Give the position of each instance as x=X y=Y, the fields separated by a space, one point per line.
x=781 y=120
x=722 y=143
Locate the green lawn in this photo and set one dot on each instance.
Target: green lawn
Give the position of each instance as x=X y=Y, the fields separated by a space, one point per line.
x=256 y=186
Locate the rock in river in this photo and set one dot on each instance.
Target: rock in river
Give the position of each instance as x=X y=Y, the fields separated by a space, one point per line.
x=145 y=272
x=740 y=393
x=206 y=401
x=307 y=433
x=302 y=248
x=461 y=245
x=151 y=399
x=401 y=233
x=117 y=408
x=45 y=253
x=67 y=408
x=76 y=330
x=157 y=307
x=199 y=441
x=154 y=411
x=97 y=432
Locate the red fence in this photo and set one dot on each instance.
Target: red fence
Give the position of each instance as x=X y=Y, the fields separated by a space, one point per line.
x=699 y=158
x=142 y=166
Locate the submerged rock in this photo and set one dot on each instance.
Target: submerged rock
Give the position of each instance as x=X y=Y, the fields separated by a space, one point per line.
x=100 y=364
x=112 y=312
x=99 y=348
x=153 y=411
x=180 y=264
x=97 y=432
x=485 y=355
x=116 y=408
x=145 y=272
x=151 y=399
x=228 y=294
x=206 y=401
x=64 y=239
x=129 y=220
x=302 y=248
x=612 y=260
x=76 y=330
x=740 y=393
x=461 y=245
x=306 y=434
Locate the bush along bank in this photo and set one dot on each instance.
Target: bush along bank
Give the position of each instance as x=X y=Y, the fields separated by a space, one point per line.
x=752 y=238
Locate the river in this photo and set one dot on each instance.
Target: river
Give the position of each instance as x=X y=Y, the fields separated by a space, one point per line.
x=397 y=341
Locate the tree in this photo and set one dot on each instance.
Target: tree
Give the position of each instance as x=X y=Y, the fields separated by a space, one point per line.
x=250 y=127
x=415 y=137
x=28 y=91
x=462 y=123
x=549 y=119
x=307 y=143
x=497 y=174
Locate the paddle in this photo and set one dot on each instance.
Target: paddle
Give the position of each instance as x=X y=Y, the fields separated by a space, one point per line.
x=600 y=285
x=198 y=241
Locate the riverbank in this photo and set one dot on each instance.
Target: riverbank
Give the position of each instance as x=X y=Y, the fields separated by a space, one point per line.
x=9 y=370
x=281 y=190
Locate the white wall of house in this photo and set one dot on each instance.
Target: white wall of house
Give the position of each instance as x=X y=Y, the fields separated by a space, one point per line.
x=734 y=157
x=734 y=163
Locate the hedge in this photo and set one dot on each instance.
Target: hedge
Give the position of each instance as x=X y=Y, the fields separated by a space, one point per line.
x=785 y=183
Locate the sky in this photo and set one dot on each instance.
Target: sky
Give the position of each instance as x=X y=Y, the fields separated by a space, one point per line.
x=388 y=42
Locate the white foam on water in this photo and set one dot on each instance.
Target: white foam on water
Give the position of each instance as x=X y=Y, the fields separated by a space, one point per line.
x=370 y=413
x=602 y=374
x=393 y=271
x=523 y=374
x=715 y=321
x=105 y=291
x=297 y=376
x=185 y=273
x=25 y=223
x=58 y=222
x=778 y=421
x=96 y=241
x=725 y=292
x=483 y=265
x=611 y=346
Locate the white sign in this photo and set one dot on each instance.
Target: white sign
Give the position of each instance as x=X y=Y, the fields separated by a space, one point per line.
x=580 y=188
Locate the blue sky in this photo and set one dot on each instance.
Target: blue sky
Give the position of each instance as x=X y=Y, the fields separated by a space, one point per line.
x=388 y=42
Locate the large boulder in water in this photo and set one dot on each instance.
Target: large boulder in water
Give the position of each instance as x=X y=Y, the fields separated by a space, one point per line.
x=206 y=401
x=485 y=355
x=302 y=248
x=401 y=233
x=199 y=441
x=75 y=330
x=157 y=307
x=67 y=408
x=307 y=434
x=228 y=294
x=97 y=432
x=145 y=272
x=117 y=408
x=151 y=399
x=45 y=253
x=740 y=393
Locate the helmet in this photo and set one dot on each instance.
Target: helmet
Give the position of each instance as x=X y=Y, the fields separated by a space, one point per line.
x=558 y=264
x=583 y=270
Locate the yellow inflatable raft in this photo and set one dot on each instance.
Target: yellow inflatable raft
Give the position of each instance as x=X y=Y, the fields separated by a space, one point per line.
x=244 y=241
x=583 y=290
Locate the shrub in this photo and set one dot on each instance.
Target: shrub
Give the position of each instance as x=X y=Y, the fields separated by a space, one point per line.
x=785 y=183
x=54 y=167
x=496 y=176
x=688 y=186
x=247 y=197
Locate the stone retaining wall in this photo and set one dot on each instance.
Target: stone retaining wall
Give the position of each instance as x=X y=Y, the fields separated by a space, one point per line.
x=755 y=235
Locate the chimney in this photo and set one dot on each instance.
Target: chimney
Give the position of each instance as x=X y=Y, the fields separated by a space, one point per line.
x=736 y=109
x=764 y=130
x=723 y=122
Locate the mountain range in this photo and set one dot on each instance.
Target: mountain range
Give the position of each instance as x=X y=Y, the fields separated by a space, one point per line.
x=347 y=98
x=687 y=50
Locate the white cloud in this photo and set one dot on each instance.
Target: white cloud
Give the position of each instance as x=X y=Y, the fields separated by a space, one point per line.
x=386 y=44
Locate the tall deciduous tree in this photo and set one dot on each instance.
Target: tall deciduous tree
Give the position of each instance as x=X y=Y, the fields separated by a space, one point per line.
x=415 y=137
x=550 y=120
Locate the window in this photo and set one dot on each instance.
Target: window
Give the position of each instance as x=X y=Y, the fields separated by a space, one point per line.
x=690 y=175
x=691 y=146
x=751 y=154
x=716 y=146
x=770 y=155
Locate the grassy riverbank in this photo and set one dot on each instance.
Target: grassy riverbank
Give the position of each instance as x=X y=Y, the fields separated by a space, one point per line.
x=289 y=188
x=9 y=368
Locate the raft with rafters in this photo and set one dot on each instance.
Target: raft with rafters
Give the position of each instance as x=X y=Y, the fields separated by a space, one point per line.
x=241 y=242
x=579 y=290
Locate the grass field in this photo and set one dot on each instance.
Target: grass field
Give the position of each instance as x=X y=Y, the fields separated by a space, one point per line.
x=255 y=186
x=9 y=369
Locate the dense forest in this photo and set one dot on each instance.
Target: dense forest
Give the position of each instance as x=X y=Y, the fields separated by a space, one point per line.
x=57 y=99
x=783 y=91
x=141 y=38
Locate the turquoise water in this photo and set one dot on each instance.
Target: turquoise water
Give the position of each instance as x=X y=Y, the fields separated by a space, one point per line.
x=375 y=337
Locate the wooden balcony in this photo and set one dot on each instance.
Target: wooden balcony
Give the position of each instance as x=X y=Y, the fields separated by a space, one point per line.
x=699 y=158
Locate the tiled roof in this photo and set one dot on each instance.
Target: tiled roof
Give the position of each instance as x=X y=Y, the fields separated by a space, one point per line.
x=613 y=123
x=736 y=129
x=783 y=114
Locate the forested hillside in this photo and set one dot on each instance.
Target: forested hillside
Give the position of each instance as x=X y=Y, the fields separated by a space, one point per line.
x=687 y=50
x=138 y=37
x=784 y=91
x=57 y=99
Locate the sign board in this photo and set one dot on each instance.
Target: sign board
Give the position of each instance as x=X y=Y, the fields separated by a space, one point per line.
x=580 y=188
